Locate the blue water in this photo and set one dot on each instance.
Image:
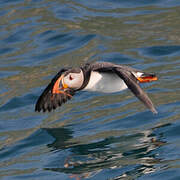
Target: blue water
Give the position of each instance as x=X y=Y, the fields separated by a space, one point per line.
x=94 y=136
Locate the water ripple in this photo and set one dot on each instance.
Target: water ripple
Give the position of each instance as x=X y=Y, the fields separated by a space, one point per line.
x=95 y=135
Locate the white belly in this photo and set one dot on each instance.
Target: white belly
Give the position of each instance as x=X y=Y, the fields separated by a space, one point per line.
x=105 y=82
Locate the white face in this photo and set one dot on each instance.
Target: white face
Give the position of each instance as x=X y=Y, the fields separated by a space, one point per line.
x=74 y=80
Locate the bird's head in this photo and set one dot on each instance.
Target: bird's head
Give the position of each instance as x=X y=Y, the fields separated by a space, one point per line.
x=72 y=79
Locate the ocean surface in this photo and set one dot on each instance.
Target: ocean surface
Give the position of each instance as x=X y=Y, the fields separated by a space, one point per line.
x=94 y=136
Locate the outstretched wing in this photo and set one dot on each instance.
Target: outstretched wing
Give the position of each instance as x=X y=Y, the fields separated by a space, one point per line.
x=132 y=84
x=124 y=72
x=109 y=67
x=50 y=98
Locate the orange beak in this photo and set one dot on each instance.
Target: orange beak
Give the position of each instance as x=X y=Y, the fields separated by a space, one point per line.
x=57 y=89
x=147 y=78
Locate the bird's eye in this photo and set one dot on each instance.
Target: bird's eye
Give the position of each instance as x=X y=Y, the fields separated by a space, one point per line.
x=70 y=77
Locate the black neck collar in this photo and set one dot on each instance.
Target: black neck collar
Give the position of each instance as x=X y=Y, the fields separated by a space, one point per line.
x=86 y=72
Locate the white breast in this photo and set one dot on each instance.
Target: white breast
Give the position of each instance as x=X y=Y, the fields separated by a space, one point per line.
x=105 y=82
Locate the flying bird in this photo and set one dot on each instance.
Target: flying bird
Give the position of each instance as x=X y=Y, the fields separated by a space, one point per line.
x=103 y=77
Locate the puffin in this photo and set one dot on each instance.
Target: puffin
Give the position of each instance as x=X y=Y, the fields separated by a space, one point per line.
x=103 y=77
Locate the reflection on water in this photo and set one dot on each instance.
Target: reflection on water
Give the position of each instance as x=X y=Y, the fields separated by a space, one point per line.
x=61 y=135
x=133 y=153
x=94 y=136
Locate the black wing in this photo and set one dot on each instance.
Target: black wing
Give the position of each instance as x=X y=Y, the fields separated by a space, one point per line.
x=109 y=67
x=125 y=73
x=49 y=100
x=132 y=84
